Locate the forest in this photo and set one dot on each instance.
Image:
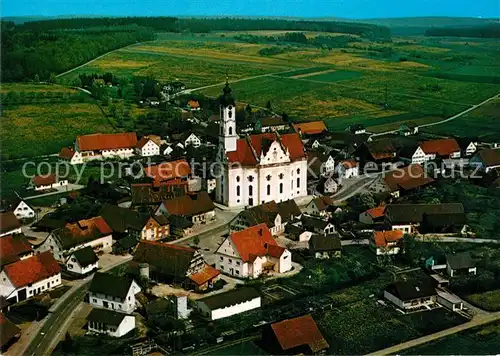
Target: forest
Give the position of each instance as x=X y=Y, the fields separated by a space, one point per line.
x=487 y=31
x=35 y=54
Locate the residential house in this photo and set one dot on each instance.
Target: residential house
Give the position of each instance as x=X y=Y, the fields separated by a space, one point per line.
x=325 y=246
x=412 y=294
x=102 y=146
x=192 y=140
x=197 y=207
x=467 y=145
x=69 y=154
x=408 y=217
x=193 y=105
x=113 y=292
x=275 y=215
x=180 y=226
x=297 y=336
x=152 y=194
x=486 y=160
x=109 y=322
x=357 y=129
x=28 y=277
x=319 y=226
x=14 y=248
x=347 y=169
x=386 y=242
x=321 y=206
x=408 y=129
x=310 y=128
x=297 y=232
x=230 y=303
x=176 y=264
x=270 y=124
x=251 y=252
x=460 y=264
x=328 y=185
x=156 y=227
x=147 y=147
x=373 y=216
x=320 y=164
x=210 y=184
x=46 y=182
x=401 y=180
x=93 y=232
x=449 y=301
x=9 y=333
x=82 y=261
x=123 y=221
x=9 y=224
x=169 y=171
x=126 y=245
x=379 y=151
x=23 y=210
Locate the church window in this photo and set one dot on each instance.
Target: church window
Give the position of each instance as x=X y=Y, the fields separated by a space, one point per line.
x=281 y=175
x=230 y=130
x=238 y=190
x=250 y=178
x=230 y=114
x=250 y=191
x=298 y=182
x=230 y=107
x=221 y=131
x=298 y=170
x=238 y=179
x=268 y=177
x=281 y=188
x=269 y=189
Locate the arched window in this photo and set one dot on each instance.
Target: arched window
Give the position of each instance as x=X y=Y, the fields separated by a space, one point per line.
x=281 y=175
x=281 y=188
x=221 y=131
x=230 y=113
x=269 y=189
x=298 y=170
x=250 y=190
x=230 y=130
x=298 y=182
x=238 y=179
x=238 y=190
x=268 y=177
x=250 y=178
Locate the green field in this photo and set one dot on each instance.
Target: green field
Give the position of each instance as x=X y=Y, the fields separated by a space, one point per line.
x=335 y=76
x=484 y=340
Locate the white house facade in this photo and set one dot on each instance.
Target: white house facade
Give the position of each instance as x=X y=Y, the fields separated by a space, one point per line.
x=113 y=293
x=238 y=301
x=114 y=324
x=147 y=148
x=347 y=169
x=192 y=140
x=103 y=146
x=24 y=211
x=82 y=261
x=258 y=168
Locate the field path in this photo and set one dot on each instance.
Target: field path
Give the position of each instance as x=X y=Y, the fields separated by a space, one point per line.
x=473 y=107
x=299 y=76
x=476 y=321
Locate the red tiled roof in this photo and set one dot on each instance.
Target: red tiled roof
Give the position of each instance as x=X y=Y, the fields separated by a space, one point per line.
x=8 y=222
x=408 y=177
x=350 y=163
x=206 y=274
x=189 y=204
x=193 y=104
x=13 y=246
x=376 y=212
x=82 y=231
x=32 y=269
x=300 y=331
x=254 y=242
x=143 y=141
x=249 y=149
x=444 y=147
x=168 y=170
x=384 y=237
x=99 y=141
x=310 y=128
x=48 y=179
x=67 y=153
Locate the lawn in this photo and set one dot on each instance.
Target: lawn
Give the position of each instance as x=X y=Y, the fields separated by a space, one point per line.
x=484 y=340
x=489 y=300
x=244 y=348
x=33 y=130
x=33 y=87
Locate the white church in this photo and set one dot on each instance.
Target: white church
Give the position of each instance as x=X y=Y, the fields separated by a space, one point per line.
x=258 y=168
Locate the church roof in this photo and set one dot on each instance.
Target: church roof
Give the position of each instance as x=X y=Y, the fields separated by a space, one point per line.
x=249 y=149
x=226 y=98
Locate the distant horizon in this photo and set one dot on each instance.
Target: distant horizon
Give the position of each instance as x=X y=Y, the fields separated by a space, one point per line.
x=347 y=9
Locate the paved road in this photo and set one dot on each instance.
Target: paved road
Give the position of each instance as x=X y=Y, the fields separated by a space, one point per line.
x=473 y=107
x=476 y=321
x=353 y=189
x=64 y=189
x=457 y=239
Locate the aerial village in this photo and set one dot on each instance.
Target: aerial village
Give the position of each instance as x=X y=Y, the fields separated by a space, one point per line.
x=181 y=260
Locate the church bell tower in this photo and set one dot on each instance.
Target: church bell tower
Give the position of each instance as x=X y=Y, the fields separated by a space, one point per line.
x=227 y=126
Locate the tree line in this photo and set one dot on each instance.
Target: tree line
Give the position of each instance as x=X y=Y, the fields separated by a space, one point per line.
x=487 y=31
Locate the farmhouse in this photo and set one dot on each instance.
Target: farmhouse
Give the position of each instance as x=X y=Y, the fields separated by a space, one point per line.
x=23 y=210
x=230 y=303
x=251 y=252
x=113 y=292
x=373 y=216
x=176 y=264
x=30 y=276
x=82 y=261
x=321 y=206
x=9 y=224
x=386 y=242
x=486 y=160
x=411 y=295
x=70 y=155
x=46 y=182
x=109 y=322
x=443 y=148
x=401 y=180
x=310 y=128
x=123 y=221
x=275 y=216
x=155 y=193
x=93 y=232
x=167 y=171
x=408 y=217
x=101 y=146
x=197 y=207
x=147 y=147
x=297 y=336
x=271 y=123
x=325 y=246
x=258 y=168
x=14 y=248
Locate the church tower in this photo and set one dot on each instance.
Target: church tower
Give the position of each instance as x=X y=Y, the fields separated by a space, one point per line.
x=227 y=126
